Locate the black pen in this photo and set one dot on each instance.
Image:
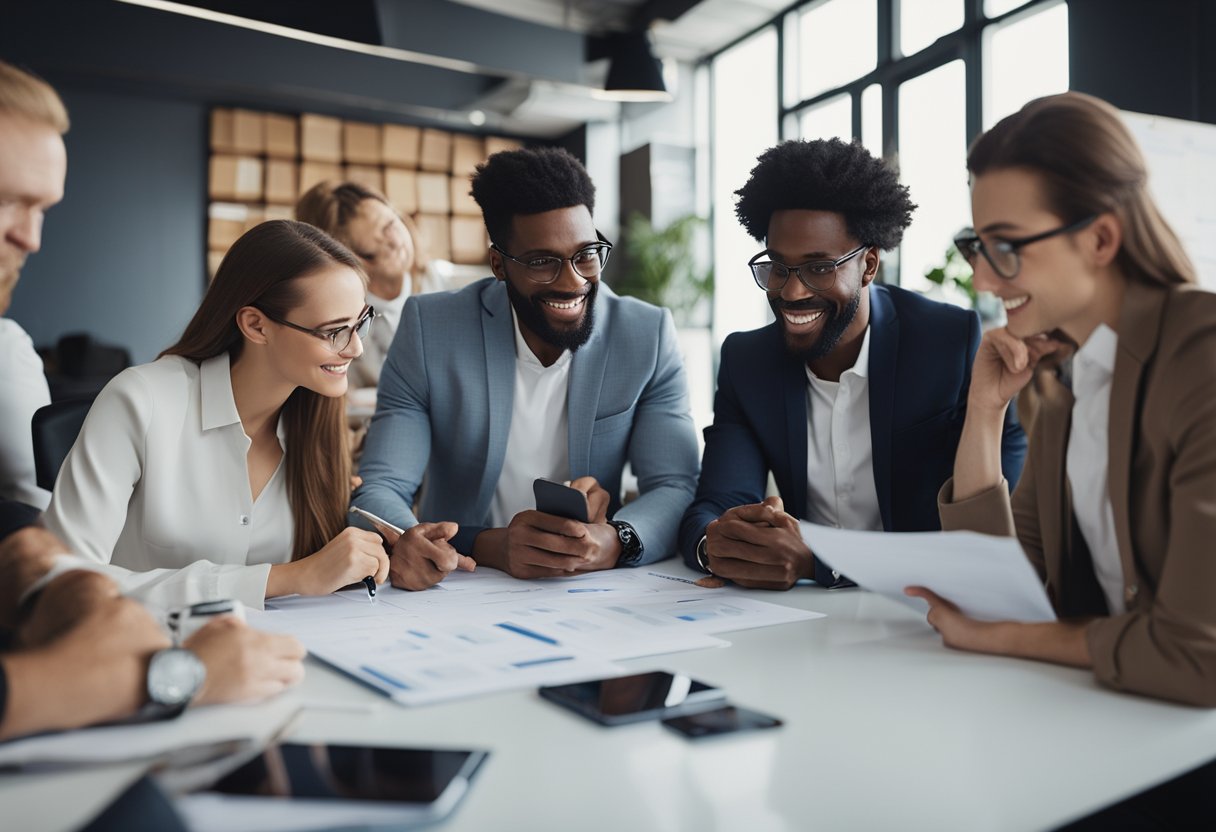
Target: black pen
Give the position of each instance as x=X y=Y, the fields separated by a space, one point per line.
x=370 y=583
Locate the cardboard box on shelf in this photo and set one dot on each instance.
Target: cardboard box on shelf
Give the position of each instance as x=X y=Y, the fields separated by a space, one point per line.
x=248 y=132
x=497 y=144
x=235 y=177
x=467 y=153
x=221 y=130
x=225 y=223
x=400 y=145
x=362 y=143
x=401 y=188
x=436 y=154
x=434 y=193
x=371 y=176
x=320 y=138
x=470 y=243
x=462 y=201
x=282 y=183
x=435 y=230
x=256 y=215
x=282 y=136
x=279 y=212
x=313 y=172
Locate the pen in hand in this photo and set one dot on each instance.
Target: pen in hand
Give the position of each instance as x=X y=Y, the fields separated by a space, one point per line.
x=388 y=531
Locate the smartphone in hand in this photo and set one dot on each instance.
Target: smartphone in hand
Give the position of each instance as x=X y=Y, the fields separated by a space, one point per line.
x=560 y=500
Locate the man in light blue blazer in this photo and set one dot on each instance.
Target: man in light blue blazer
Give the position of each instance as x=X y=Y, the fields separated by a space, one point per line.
x=539 y=371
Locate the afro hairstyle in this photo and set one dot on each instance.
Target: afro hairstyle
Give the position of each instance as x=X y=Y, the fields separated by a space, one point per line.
x=529 y=181
x=827 y=175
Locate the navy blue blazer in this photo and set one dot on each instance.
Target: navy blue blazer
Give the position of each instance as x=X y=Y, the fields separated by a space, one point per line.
x=920 y=370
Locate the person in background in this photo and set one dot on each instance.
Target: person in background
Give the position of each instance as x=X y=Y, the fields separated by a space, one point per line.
x=33 y=166
x=539 y=371
x=853 y=398
x=387 y=245
x=222 y=470
x=1115 y=509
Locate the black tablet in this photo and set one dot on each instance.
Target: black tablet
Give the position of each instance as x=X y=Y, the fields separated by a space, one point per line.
x=292 y=786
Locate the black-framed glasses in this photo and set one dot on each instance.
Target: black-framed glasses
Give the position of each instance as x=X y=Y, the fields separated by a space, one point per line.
x=587 y=262
x=816 y=275
x=1003 y=255
x=339 y=338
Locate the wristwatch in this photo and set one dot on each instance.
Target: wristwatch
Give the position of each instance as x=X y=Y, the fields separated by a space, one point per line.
x=631 y=544
x=703 y=555
x=175 y=676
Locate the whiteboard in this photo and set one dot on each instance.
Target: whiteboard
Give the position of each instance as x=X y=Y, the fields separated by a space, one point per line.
x=1181 y=158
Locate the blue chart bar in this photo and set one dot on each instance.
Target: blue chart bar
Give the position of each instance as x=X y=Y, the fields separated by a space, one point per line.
x=549 y=660
x=515 y=628
x=384 y=677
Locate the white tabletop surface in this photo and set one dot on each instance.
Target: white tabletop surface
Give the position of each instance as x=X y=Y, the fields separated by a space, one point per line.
x=884 y=728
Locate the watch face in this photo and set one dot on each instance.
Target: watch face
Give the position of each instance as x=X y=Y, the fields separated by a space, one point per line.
x=174 y=676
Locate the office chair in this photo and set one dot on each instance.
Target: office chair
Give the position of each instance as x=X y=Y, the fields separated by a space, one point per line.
x=55 y=428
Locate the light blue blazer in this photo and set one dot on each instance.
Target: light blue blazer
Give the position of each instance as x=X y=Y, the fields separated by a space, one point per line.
x=443 y=413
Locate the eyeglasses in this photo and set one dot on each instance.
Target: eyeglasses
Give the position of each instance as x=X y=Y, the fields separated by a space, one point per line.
x=339 y=338
x=587 y=262
x=1002 y=255
x=816 y=275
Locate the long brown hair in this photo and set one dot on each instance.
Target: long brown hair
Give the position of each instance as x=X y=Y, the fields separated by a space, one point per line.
x=1089 y=163
x=263 y=269
x=330 y=206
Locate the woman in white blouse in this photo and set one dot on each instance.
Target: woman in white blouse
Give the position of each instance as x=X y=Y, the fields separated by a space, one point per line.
x=221 y=470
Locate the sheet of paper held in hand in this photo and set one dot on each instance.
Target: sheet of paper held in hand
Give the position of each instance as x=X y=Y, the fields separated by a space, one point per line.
x=484 y=631
x=988 y=577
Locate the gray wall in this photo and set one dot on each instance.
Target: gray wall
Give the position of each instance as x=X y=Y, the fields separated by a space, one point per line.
x=123 y=255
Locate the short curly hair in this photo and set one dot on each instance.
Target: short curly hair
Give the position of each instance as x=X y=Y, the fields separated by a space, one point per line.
x=827 y=175
x=529 y=181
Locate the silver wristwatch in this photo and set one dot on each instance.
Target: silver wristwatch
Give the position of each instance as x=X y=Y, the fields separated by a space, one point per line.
x=175 y=676
x=703 y=555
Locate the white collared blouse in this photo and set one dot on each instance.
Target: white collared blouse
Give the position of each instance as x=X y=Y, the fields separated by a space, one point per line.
x=157 y=487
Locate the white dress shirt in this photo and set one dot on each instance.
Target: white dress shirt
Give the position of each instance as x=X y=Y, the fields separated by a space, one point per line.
x=1087 y=459
x=23 y=390
x=157 y=486
x=539 y=442
x=839 y=456
x=365 y=370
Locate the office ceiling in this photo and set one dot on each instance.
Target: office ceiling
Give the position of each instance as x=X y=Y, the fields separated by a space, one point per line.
x=685 y=30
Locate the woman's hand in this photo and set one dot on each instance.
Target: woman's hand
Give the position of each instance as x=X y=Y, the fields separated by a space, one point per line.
x=958 y=630
x=1003 y=366
x=351 y=556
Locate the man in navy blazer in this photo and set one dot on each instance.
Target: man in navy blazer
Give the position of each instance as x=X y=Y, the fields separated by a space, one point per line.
x=853 y=398
x=540 y=371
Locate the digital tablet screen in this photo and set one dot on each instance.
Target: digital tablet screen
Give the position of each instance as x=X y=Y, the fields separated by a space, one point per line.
x=349 y=772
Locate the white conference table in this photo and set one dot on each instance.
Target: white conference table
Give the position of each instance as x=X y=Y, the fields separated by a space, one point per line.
x=884 y=728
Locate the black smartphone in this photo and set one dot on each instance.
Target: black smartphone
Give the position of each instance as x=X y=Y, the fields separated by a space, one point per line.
x=715 y=723
x=643 y=696
x=560 y=500
x=335 y=785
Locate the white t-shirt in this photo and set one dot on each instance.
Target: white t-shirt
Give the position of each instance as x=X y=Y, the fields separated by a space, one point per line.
x=840 y=487
x=1087 y=458
x=23 y=389
x=538 y=444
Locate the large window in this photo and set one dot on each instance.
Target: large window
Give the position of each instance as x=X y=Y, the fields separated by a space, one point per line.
x=743 y=125
x=913 y=80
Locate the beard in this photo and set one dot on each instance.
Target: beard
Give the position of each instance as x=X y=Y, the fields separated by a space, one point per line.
x=10 y=273
x=532 y=315
x=829 y=335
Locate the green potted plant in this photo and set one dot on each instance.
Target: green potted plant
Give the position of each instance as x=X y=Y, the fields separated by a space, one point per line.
x=662 y=266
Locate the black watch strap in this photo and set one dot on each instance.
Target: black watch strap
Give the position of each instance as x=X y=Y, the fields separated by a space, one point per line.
x=631 y=544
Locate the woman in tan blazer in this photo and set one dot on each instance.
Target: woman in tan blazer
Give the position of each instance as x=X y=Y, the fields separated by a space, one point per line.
x=1117 y=505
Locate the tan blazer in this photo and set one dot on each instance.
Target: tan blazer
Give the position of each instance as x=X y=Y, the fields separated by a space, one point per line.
x=1162 y=481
